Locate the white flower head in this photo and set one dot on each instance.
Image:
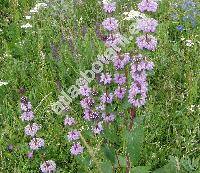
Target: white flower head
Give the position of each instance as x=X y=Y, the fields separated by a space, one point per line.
x=28 y=25
x=41 y=5
x=133 y=15
x=106 y=1
x=3 y=83
x=28 y=17
x=189 y=43
x=34 y=10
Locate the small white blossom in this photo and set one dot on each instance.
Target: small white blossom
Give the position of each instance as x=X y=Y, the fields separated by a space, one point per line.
x=34 y=10
x=132 y=15
x=28 y=25
x=41 y=5
x=3 y=83
x=189 y=43
x=28 y=17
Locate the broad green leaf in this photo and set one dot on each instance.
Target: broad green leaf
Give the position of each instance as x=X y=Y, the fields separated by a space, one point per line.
x=106 y=167
x=135 y=140
x=140 y=169
x=109 y=153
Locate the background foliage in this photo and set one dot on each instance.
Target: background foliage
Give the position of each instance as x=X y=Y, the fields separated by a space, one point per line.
x=63 y=41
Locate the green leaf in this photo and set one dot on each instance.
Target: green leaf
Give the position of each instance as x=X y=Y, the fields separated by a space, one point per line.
x=109 y=135
x=109 y=153
x=106 y=167
x=168 y=168
x=122 y=161
x=140 y=169
x=189 y=164
x=135 y=139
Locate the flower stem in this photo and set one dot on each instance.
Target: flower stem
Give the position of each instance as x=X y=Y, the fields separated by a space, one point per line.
x=91 y=153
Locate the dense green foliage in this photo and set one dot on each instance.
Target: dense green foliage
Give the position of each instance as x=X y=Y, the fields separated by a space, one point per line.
x=49 y=56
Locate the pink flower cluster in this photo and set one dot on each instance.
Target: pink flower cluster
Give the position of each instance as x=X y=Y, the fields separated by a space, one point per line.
x=27 y=113
x=147 y=25
x=148 y=5
x=73 y=135
x=31 y=130
x=109 y=7
x=113 y=40
x=110 y=24
x=138 y=90
x=48 y=166
x=36 y=143
x=148 y=42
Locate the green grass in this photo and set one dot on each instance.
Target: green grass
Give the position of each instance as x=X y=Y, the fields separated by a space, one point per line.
x=171 y=126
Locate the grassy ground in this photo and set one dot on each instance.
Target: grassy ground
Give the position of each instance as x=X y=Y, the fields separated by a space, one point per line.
x=49 y=56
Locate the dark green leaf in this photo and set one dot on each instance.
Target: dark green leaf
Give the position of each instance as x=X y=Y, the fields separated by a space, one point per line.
x=109 y=153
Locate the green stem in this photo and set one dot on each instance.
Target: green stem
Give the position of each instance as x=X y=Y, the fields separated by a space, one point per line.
x=90 y=151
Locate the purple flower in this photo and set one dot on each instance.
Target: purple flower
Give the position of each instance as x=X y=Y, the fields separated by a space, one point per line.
x=180 y=28
x=149 y=65
x=113 y=40
x=111 y=24
x=126 y=59
x=101 y=107
x=105 y=78
x=85 y=90
x=69 y=121
x=106 y=98
x=73 y=135
x=120 y=92
x=140 y=64
x=140 y=77
x=31 y=129
x=10 y=147
x=76 y=149
x=30 y=155
x=147 y=42
x=118 y=63
x=137 y=99
x=109 y=7
x=36 y=143
x=48 y=166
x=27 y=116
x=87 y=114
x=94 y=115
x=147 y=24
x=148 y=5
x=26 y=106
x=90 y=114
x=108 y=118
x=98 y=128
x=87 y=102
x=119 y=79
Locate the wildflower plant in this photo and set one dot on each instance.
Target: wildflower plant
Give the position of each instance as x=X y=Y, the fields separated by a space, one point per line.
x=111 y=102
x=186 y=13
x=31 y=130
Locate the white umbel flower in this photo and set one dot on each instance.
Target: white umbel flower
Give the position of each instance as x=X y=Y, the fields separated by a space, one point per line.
x=28 y=25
